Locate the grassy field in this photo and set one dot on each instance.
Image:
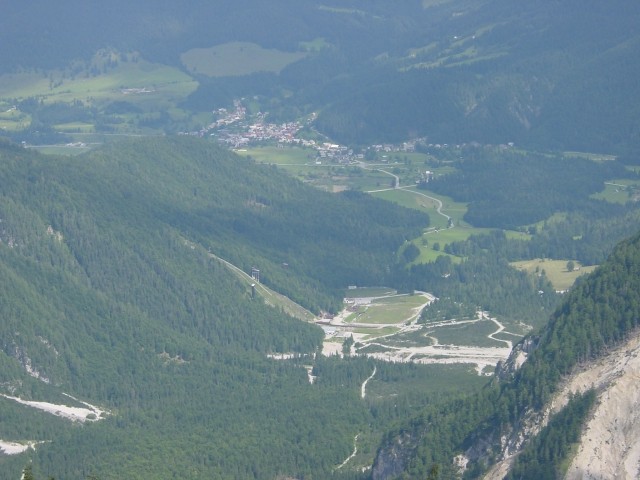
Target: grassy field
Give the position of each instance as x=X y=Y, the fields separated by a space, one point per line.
x=161 y=80
x=11 y=118
x=392 y=310
x=386 y=314
x=399 y=311
x=468 y=334
x=428 y=202
x=279 y=156
x=406 y=300
x=555 y=270
x=619 y=191
x=415 y=338
x=237 y=58
x=372 y=333
x=147 y=86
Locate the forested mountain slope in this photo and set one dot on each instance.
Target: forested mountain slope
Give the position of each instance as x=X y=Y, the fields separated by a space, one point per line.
x=544 y=74
x=109 y=294
x=600 y=314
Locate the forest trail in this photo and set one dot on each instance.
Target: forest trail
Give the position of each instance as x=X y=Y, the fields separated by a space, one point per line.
x=353 y=454
x=500 y=330
x=363 y=389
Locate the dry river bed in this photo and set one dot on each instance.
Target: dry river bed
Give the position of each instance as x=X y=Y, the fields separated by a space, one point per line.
x=369 y=334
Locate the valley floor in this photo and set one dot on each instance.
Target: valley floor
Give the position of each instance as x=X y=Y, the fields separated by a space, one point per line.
x=395 y=335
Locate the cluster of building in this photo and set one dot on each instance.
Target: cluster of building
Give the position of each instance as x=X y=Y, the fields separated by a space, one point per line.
x=233 y=129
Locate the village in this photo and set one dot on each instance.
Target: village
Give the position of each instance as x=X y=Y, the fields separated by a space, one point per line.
x=236 y=130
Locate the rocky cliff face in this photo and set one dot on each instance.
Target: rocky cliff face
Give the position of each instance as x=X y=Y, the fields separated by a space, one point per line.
x=505 y=370
x=610 y=442
x=391 y=460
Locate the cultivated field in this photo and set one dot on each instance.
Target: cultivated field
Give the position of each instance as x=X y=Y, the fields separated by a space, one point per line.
x=147 y=88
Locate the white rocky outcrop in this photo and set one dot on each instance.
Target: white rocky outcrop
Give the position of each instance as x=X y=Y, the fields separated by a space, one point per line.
x=610 y=443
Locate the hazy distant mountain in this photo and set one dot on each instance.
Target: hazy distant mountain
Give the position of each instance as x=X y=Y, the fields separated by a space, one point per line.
x=544 y=74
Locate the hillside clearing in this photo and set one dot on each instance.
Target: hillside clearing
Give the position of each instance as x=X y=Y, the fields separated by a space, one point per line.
x=555 y=270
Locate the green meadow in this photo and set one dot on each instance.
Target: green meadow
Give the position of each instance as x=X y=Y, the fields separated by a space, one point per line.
x=468 y=334
x=394 y=310
x=411 y=197
x=145 y=86
x=162 y=82
x=619 y=191
x=279 y=156
x=237 y=58
x=555 y=270
x=433 y=241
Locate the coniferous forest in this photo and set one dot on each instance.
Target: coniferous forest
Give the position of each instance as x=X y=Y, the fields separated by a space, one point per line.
x=193 y=195
x=598 y=315
x=110 y=291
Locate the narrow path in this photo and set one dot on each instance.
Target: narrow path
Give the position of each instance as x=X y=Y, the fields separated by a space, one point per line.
x=363 y=389
x=500 y=329
x=363 y=394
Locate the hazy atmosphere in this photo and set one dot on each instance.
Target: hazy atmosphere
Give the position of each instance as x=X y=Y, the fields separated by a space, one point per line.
x=296 y=240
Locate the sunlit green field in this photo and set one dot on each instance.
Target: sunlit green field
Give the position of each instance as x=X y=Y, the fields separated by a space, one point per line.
x=468 y=334
x=394 y=310
x=619 y=191
x=279 y=156
x=150 y=87
x=237 y=58
x=161 y=80
x=555 y=270
x=428 y=202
